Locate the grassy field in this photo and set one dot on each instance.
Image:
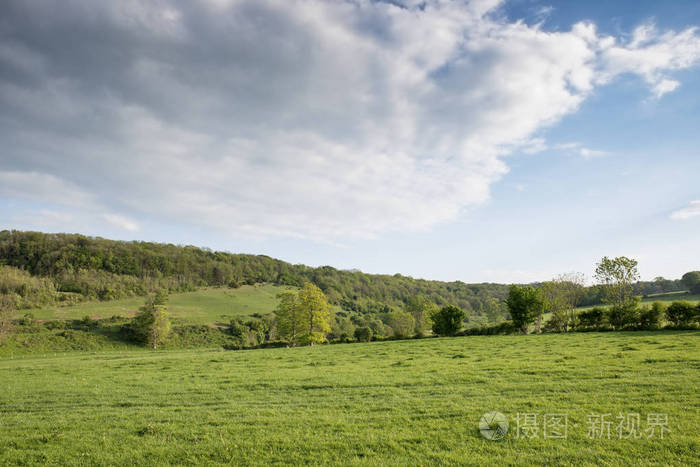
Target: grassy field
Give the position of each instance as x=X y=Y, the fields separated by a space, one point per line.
x=401 y=402
x=205 y=306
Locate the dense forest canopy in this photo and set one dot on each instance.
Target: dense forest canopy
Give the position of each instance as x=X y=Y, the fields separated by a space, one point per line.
x=72 y=267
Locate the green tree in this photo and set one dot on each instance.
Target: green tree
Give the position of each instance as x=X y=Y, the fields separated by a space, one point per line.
x=317 y=313
x=291 y=319
x=401 y=322
x=561 y=297
x=363 y=333
x=524 y=304
x=421 y=309
x=152 y=324
x=691 y=280
x=447 y=321
x=616 y=277
x=681 y=313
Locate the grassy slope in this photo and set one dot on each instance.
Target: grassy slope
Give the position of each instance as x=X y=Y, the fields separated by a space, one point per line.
x=205 y=306
x=401 y=402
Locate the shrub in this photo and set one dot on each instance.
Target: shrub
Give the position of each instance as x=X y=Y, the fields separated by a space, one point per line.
x=447 y=321
x=650 y=318
x=363 y=333
x=401 y=322
x=623 y=315
x=681 y=313
x=592 y=319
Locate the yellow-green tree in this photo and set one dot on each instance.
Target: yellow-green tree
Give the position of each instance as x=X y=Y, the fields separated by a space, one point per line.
x=303 y=317
x=317 y=313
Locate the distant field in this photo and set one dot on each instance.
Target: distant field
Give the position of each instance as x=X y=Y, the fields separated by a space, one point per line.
x=414 y=402
x=205 y=306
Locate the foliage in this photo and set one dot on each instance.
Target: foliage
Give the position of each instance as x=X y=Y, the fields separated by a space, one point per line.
x=681 y=313
x=290 y=318
x=363 y=333
x=303 y=317
x=96 y=268
x=561 y=297
x=524 y=304
x=650 y=317
x=7 y=309
x=342 y=328
x=616 y=277
x=401 y=323
x=624 y=314
x=593 y=318
x=421 y=309
x=152 y=325
x=691 y=280
x=447 y=320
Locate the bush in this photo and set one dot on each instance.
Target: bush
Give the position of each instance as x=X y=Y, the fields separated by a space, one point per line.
x=650 y=318
x=623 y=315
x=592 y=319
x=363 y=334
x=681 y=313
x=447 y=321
x=401 y=322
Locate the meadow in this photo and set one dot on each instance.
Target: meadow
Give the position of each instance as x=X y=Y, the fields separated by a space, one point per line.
x=411 y=402
x=212 y=305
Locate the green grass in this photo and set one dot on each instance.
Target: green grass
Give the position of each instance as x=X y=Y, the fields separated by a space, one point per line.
x=205 y=306
x=384 y=403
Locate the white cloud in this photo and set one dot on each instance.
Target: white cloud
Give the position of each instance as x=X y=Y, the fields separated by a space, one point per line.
x=693 y=210
x=121 y=222
x=315 y=119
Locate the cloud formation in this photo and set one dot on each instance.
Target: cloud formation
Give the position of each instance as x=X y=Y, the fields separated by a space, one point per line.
x=316 y=119
x=693 y=210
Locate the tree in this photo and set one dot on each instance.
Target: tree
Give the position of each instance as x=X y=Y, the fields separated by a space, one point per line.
x=8 y=306
x=401 y=322
x=561 y=297
x=447 y=320
x=152 y=324
x=524 y=303
x=363 y=334
x=691 y=280
x=291 y=319
x=317 y=313
x=421 y=309
x=616 y=277
x=681 y=313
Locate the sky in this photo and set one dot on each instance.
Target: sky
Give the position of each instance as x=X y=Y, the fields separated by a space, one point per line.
x=481 y=141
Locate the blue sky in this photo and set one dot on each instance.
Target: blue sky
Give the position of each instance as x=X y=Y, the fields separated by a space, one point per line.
x=474 y=141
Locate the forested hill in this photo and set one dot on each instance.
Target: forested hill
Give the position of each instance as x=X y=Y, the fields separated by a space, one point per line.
x=98 y=268
x=41 y=268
